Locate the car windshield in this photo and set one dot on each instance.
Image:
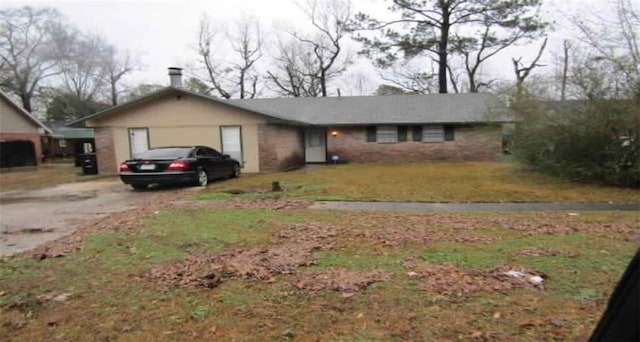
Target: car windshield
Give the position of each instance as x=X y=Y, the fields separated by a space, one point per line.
x=165 y=153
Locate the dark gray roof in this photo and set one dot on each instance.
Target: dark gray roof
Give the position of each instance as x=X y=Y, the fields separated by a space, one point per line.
x=392 y=109
x=351 y=110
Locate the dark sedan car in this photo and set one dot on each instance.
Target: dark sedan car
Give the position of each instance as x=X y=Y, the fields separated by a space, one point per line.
x=194 y=165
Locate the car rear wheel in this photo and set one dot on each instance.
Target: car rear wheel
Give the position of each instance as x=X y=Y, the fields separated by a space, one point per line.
x=236 y=171
x=139 y=186
x=203 y=178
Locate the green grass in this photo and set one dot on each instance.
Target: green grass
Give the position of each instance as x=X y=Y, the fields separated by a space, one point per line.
x=33 y=178
x=424 y=182
x=112 y=299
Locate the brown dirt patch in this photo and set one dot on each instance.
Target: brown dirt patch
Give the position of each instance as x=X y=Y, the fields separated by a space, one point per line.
x=340 y=280
x=240 y=203
x=448 y=279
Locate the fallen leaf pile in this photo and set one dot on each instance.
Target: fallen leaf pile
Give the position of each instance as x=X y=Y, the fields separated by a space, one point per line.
x=341 y=280
x=556 y=224
x=320 y=233
x=199 y=269
x=448 y=279
x=398 y=236
x=415 y=220
x=295 y=248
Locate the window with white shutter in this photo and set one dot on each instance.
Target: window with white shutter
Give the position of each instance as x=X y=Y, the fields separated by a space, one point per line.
x=433 y=133
x=387 y=134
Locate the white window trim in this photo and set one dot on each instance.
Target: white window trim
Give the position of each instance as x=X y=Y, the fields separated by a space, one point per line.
x=384 y=134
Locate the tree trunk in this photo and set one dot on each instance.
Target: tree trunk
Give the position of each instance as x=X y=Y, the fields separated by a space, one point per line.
x=114 y=94
x=442 y=49
x=565 y=68
x=26 y=102
x=323 y=83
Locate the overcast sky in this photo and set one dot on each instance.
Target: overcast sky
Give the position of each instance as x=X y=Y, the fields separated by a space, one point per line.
x=163 y=33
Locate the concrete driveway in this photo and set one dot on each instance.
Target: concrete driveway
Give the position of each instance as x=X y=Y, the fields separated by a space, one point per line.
x=29 y=219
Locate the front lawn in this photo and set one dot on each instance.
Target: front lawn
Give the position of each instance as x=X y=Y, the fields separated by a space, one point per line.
x=426 y=182
x=43 y=176
x=200 y=272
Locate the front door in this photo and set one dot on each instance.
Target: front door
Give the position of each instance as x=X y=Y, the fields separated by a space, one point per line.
x=138 y=141
x=314 y=145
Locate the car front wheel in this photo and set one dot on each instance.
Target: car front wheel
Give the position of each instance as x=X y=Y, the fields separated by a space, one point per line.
x=203 y=178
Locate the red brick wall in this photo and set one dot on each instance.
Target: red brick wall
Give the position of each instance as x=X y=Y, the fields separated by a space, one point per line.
x=33 y=137
x=105 y=150
x=280 y=147
x=471 y=143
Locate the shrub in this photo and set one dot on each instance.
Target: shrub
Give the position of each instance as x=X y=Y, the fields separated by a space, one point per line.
x=585 y=140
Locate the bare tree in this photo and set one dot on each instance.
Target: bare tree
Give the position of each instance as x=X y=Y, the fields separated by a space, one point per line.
x=234 y=76
x=522 y=71
x=356 y=83
x=116 y=66
x=412 y=79
x=329 y=18
x=293 y=70
x=25 y=46
x=304 y=65
x=566 y=47
x=248 y=47
x=492 y=40
x=429 y=27
x=613 y=46
x=81 y=64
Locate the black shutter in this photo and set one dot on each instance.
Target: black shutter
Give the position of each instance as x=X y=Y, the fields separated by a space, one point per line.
x=371 y=133
x=417 y=133
x=448 y=133
x=402 y=133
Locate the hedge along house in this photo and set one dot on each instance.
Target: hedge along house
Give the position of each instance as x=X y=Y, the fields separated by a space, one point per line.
x=21 y=135
x=276 y=134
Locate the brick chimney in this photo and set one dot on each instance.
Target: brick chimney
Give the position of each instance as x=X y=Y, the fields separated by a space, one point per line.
x=175 y=75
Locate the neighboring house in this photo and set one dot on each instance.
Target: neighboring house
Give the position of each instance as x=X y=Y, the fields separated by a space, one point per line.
x=276 y=134
x=69 y=141
x=21 y=135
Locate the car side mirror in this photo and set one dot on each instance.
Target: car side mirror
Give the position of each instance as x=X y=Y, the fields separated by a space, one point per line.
x=226 y=156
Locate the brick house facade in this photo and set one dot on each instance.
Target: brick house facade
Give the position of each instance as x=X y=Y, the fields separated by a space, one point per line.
x=477 y=143
x=105 y=147
x=280 y=147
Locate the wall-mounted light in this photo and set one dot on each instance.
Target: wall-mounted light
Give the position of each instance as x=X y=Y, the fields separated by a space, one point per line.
x=334 y=133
